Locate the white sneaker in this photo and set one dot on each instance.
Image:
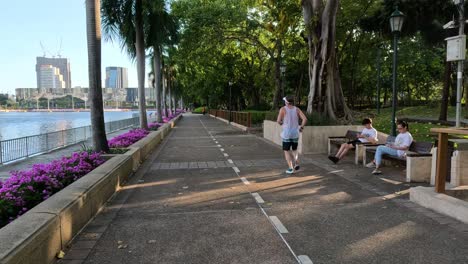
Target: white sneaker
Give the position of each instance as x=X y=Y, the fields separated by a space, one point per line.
x=370 y=165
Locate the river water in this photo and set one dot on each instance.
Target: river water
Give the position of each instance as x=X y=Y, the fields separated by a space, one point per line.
x=20 y=124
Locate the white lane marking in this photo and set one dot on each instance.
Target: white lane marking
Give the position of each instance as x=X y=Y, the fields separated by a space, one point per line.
x=304 y=259
x=221 y=149
x=225 y=155
x=216 y=142
x=261 y=208
x=218 y=146
x=230 y=161
x=245 y=181
x=258 y=198
x=279 y=226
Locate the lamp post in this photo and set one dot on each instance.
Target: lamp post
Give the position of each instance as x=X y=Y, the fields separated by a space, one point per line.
x=283 y=71
x=230 y=102
x=396 y=23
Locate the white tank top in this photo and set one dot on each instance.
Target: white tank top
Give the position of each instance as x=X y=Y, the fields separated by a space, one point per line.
x=290 y=124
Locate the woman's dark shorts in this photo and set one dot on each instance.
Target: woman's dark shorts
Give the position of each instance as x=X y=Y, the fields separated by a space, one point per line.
x=290 y=143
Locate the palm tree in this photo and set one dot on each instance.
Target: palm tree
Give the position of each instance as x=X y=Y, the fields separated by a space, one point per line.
x=93 y=29
x=123 y=19
x=161 y=32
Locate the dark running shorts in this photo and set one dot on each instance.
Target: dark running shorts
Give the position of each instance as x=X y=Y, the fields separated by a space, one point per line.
x=290 y=143
x=354 y=142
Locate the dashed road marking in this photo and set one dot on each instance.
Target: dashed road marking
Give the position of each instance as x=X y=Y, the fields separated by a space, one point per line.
x=218 y=146
x=221 y=149
x=225 y=155
x=258 y=198
x=245 y=181
x=236 y=169
x=279 y=226
x=230 y=161
x=304 y=259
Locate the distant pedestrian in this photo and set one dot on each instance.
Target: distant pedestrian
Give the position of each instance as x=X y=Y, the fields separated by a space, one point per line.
x=204 y=110
x=288 y=117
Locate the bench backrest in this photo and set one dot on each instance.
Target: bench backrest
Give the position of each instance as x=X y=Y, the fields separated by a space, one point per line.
x=421 y=147
x=351 y=134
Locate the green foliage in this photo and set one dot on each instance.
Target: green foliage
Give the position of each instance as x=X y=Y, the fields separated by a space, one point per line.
x=117 y=150
x=86 y=148
x=199 y=110
x=316 y=119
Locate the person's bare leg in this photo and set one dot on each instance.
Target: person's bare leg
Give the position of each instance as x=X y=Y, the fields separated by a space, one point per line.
x=342 y=148
x=295 y=155
x=288 y=158
x=346 y=149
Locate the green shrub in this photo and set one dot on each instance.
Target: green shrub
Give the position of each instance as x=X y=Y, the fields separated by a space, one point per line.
x=316 y=119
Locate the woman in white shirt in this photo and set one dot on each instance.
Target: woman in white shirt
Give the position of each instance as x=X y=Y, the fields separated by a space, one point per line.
x=402 y=143
x=368 y=134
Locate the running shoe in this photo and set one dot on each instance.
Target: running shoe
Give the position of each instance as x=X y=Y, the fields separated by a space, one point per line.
x=370 y=165
x=290 y=171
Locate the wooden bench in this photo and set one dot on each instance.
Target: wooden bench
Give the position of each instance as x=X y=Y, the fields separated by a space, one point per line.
x=418 y=159
x=337 y=141
x=350 y=136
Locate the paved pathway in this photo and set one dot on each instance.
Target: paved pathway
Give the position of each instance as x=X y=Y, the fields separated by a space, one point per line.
x=212 y=194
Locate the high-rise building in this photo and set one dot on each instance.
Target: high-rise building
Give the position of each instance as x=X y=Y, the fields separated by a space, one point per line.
x=116 y=77
x=50 y=77
x=62 y=64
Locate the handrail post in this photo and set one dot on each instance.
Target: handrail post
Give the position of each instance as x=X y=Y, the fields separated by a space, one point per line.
x=27 y=149
x=1 y=155
x=63 y=138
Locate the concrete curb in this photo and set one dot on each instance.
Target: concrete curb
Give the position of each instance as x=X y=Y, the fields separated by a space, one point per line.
x=439 y=202
x=37 y=236
x=241 y=127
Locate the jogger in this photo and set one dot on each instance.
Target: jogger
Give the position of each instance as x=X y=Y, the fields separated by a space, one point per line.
x=288 y=117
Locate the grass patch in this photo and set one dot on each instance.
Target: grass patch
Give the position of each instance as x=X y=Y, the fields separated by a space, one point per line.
x=419 y=131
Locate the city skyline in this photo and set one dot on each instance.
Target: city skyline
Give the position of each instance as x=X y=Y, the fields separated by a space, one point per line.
x=60 y=27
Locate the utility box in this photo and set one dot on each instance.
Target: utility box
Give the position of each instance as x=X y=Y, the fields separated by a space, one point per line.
x=456 y=48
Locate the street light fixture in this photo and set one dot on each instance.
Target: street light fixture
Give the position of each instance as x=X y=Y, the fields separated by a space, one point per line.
x=283 y=71
x=396 y=23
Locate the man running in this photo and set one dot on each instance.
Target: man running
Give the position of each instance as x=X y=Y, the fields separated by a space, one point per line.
x=288 y=117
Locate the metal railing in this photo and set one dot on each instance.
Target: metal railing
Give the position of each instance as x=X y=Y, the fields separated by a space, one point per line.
x=242 y=118
x=23 y=147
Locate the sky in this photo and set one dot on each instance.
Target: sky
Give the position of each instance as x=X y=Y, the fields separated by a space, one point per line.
x=25 y=24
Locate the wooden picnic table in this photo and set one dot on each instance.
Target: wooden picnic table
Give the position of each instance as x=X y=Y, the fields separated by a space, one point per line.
x=442 y=152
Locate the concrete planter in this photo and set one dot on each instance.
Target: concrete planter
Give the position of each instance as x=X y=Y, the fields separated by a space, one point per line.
x=439 y=202
x=313 y=139
x=37 y=236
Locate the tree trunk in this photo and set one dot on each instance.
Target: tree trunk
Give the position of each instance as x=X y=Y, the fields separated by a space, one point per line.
x=93 y=29
x=278 y=81
x=140 y=54
x=169 y=91
x=323 y=67
x=158 y=85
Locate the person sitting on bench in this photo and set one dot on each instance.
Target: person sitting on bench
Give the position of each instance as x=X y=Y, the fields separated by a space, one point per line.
x=402 y=143
x=367 y=135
